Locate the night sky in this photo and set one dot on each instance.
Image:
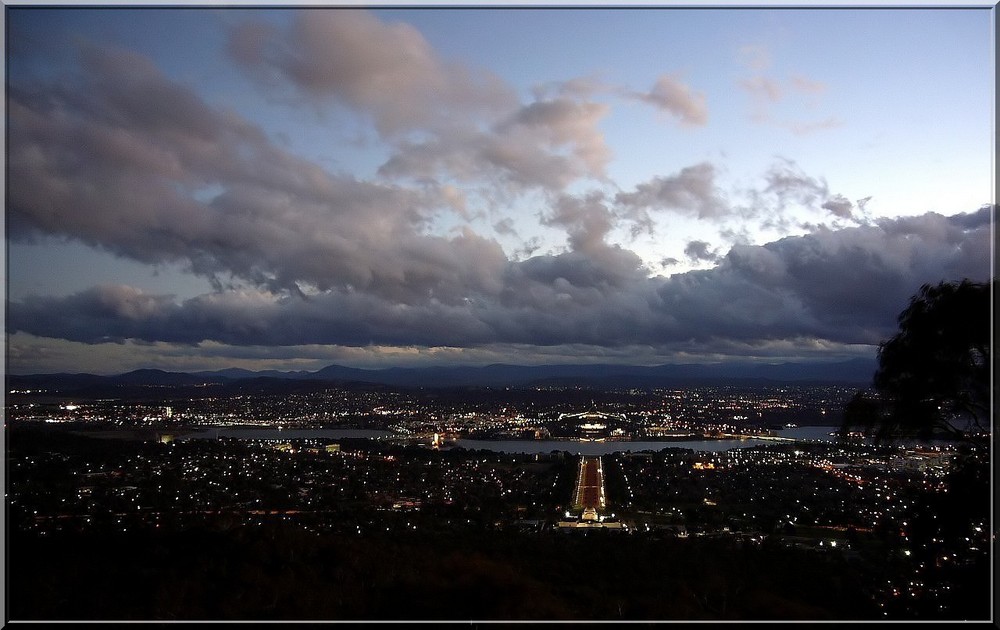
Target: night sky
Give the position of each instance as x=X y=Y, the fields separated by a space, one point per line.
x=203 y=188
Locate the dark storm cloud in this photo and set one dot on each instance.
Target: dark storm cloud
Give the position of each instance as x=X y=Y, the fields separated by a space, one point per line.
x=969 y=221
x=832 y=287
x=98 y=314
x=844 y=282
x=843 y=286
x=119 y=160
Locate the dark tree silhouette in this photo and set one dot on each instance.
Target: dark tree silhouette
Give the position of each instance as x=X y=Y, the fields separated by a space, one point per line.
x=934 y=374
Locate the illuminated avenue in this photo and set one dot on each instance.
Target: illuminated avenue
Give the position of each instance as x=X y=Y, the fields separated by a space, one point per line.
x=590 y=487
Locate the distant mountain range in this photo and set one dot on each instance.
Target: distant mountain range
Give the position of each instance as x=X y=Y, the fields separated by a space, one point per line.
x=854 y=371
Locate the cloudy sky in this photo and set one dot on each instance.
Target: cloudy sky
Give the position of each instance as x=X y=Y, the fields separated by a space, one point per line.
x=260 y=188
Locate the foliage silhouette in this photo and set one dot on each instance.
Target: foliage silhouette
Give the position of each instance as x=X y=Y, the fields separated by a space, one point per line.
x=934 y=374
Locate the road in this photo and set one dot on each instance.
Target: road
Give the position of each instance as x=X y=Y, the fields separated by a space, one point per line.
x=589 y=485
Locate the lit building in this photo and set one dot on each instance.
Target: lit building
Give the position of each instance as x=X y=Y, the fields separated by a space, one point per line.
x=593 y=425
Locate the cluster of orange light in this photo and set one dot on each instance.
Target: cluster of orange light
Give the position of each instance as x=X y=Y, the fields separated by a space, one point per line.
x=704 y=466
x=828 y=467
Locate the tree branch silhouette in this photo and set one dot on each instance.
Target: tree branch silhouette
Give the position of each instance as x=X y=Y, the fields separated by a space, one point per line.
x=934 y=374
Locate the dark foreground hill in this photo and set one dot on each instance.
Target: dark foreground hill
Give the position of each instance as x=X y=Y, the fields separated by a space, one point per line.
x=279 y=572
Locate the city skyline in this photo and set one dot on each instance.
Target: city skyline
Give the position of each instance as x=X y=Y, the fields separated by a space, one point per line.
x=197 y=189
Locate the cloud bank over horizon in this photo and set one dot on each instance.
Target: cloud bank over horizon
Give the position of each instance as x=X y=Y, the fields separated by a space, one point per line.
x=487 y=226
x=834 y=289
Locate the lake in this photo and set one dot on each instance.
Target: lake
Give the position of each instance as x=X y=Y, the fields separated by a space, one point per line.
x=812 y=433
